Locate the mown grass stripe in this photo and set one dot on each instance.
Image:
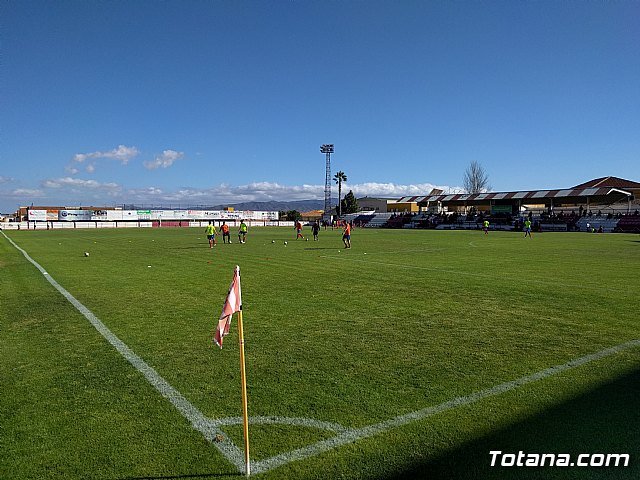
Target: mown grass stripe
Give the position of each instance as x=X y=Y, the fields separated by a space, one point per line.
x=476 y=274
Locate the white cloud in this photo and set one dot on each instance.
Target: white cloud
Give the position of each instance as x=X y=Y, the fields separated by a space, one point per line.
x=274 y=191
x=372 y=189
x=149 y=193
x=4 y=179
x=164 y=160
x=60 y=191
x=68 y=182
x=122 y=153
x=11 y=200
x=27 y=192
x=267 y=191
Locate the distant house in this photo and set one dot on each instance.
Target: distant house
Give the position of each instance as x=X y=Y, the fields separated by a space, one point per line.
x=375 y=204
x=312 y=215
x=403 y=207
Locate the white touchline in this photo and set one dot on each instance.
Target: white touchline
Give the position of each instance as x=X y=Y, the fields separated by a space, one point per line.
x=210 y=428
x=190 y=412
x=357 y=434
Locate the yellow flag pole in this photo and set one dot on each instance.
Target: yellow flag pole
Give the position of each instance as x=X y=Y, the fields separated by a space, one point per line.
x=245 y=414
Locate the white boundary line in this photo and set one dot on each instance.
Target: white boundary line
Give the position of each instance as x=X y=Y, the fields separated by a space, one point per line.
x=190 y=412
x=275 y=420
x=368 y=431
x=210 y=428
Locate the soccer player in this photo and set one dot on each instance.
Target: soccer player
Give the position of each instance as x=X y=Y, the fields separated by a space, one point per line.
x=315 y=229
x=211 y=234
x=346 y=237
x=527 y=228
x=485 y=227
x=242 y=233
x=299 y=230
x=225 y=232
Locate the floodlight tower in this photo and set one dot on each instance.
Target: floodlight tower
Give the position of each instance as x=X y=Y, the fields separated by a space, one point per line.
x=328 y=150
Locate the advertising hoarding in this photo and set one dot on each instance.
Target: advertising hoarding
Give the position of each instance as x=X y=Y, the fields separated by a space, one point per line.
x=37 y=215
x=74 y=215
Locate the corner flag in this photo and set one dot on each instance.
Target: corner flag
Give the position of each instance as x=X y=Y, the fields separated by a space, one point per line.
x=232 y=304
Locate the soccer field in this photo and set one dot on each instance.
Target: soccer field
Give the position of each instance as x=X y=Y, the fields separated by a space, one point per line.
x=413 y=354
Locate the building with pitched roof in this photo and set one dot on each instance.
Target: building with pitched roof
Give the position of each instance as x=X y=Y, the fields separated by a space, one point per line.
x=597 y=193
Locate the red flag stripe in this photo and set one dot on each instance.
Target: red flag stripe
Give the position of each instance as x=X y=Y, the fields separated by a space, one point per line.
x=232 y=304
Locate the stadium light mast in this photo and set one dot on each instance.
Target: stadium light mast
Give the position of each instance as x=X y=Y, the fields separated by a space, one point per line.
x=327 y=149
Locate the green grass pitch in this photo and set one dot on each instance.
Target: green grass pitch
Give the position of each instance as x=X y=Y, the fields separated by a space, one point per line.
x=403 y=321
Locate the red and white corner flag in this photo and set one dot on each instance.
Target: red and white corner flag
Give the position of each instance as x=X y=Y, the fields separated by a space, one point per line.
x=232 y=304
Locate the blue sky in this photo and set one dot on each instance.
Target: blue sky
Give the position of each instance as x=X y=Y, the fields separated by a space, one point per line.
x=207 y=102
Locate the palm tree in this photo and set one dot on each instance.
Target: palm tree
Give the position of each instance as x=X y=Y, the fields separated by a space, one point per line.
x=339 y=178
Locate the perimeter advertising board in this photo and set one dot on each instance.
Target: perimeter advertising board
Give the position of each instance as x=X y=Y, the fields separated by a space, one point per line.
x=99 y=215
x=497 y=209
x=232 y=215
x=122 y=215
x=74 y=215
x=136 y=215
x=37 y=215
x=175 y=215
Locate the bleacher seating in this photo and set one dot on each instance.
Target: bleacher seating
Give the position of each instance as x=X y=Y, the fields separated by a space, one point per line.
x=562 y=222
x=608 y=224
x=628 y=224
x=362 y=220
x=379 y=220
x=553 y=227
x=397 y=221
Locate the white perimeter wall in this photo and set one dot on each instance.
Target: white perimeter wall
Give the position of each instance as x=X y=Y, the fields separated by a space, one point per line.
x=139 y=224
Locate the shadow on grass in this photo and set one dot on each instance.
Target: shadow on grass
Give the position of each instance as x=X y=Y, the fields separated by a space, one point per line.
x=604 y=420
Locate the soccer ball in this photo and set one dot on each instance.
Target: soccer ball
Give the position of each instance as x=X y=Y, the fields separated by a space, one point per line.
x=285 y=244
x=273 y=241
x=306 y=239
x=86 y=254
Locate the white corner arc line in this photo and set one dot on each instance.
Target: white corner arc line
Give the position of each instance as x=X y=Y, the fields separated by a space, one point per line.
x=353 y=435
x=277 y=420
x=186 y=408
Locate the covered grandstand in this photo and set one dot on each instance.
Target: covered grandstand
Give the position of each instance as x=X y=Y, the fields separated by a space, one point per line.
x=604 y=204
x=602 y=192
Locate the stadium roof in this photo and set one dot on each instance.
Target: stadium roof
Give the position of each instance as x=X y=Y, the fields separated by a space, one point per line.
x=581 y=193
x=614 y=182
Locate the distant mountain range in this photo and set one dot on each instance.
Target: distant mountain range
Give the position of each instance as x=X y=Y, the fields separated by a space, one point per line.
x=273 y=206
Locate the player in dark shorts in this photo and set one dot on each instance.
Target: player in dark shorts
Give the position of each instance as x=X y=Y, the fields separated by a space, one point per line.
x=226 y=235
x=346 y=237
